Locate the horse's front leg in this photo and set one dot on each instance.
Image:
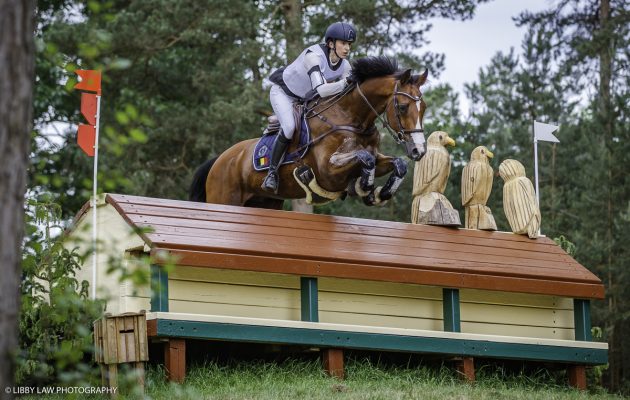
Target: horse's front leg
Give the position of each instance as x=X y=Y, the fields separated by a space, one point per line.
x=344 y=160
x=385 y=164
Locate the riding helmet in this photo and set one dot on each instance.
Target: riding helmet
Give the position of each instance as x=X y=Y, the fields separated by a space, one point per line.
x=340 y=31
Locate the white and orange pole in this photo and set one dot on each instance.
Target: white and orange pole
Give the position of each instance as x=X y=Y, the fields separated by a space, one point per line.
x=88 y=141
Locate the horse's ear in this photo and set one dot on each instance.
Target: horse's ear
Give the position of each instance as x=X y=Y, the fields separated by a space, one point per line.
x=421 y=79
x=405 y=77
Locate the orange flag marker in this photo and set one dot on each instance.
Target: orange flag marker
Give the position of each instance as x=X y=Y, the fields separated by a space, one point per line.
x=87 y=139
x=88 y=107
x=90 y=80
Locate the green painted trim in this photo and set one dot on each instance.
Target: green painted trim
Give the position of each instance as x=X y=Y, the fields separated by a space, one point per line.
x=310 y=309
x=373 y=341
x=450 y=305
x=159 y=289
x=582 y=319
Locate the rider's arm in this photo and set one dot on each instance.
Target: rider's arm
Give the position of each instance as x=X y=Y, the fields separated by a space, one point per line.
x=311 y=61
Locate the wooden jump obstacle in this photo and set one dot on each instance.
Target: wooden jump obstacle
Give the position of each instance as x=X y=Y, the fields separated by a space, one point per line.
x=335 y=283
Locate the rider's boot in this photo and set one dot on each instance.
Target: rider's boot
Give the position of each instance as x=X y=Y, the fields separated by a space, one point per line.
x=272 y=180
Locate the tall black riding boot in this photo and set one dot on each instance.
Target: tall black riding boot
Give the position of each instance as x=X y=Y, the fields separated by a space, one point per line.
x=272 y=180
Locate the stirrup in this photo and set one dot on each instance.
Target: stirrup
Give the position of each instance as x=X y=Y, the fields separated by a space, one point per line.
x=271 y=182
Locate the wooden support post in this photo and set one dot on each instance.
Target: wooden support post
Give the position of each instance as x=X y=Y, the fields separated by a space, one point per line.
x=577 y=376
x=112 y=375
x=450 y=304
x=333 y=362
x=308 y=289
x=466 y=368
x=175 y=359
x=582 y=319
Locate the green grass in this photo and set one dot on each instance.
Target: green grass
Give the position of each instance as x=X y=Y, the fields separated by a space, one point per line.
x=305 y=380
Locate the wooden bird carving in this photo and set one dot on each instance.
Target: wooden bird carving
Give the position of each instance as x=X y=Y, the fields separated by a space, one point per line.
x=431 y=172
x=519 y=199
x=430 y=206
x=477 y=179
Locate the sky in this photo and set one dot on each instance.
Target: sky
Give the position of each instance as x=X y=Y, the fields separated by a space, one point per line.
x=469 y=45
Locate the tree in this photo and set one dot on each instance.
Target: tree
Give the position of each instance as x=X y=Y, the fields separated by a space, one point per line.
x=16 y=85
x=590 y=40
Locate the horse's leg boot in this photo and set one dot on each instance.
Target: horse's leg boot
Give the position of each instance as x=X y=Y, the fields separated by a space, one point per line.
x=272 y=180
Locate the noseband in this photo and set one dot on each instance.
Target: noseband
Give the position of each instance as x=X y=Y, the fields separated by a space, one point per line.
x=396 y=134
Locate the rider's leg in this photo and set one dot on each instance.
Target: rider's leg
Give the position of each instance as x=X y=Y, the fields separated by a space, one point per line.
x=283 y=106
x=272 y=180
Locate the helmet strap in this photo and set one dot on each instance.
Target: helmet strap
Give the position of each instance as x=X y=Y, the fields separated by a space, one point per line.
x=334 y=42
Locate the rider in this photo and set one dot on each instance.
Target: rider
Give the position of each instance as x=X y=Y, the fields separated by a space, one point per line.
x=320 y=67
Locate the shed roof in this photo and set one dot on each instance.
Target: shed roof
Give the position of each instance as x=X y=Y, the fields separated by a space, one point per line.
x=220 y=236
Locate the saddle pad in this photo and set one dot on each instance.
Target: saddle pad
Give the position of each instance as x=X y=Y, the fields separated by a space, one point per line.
x=262 y=151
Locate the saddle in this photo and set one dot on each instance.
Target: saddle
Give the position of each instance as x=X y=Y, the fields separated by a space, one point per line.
x=262 y=150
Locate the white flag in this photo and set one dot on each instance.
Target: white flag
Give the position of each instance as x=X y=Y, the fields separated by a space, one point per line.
x=544 y=132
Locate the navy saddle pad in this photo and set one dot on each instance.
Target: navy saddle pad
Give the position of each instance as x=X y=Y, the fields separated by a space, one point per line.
x=262 y=151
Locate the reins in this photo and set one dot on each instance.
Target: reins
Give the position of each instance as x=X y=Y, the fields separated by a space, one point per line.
x=396 y=135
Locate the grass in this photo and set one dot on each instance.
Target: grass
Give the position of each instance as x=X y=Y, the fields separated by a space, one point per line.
x=295 y=379
x=305 y=380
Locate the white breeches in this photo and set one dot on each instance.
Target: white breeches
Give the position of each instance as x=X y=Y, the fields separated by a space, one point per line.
x=283 y=107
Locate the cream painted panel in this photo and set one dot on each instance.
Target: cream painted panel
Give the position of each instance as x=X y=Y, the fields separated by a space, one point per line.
x=379 y=320
x=519 y=299
x=134 y=304
x=234 y=310
x=233 y=276
x=518 y=330
x=499 y=314
x=114 y=236
x=380 y=288
x=204 y=292
x=380 y=305
x=127 y=287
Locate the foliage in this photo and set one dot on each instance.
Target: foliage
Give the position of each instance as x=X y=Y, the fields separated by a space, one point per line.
x=56 y=315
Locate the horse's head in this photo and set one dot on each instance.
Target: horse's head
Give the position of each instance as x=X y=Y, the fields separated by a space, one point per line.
x=405 y=112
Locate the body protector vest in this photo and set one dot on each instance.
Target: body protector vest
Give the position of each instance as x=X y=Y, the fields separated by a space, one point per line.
x=298 y=76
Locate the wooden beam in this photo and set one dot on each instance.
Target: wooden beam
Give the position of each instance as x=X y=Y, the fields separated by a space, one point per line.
x=577 y=376
x=333 y=362
x=450 y=305
x=416 y=275
x=582 y=319
x=464 y=345
x=175 y=359
x=309 y=306
x=159 y=289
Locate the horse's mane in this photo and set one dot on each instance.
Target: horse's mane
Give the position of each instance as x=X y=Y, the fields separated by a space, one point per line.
x=373 y=67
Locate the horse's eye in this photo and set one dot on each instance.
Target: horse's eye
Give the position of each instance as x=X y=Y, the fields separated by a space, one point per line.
x=402 y=108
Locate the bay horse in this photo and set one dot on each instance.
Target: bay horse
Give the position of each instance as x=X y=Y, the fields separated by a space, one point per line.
x=344 y=151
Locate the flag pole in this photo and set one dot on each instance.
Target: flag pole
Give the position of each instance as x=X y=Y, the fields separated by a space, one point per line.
x=94 y=194
x=536 y=171
x=87 y=138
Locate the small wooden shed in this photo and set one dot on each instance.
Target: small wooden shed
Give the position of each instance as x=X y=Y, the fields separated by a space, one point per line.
x=256 y=275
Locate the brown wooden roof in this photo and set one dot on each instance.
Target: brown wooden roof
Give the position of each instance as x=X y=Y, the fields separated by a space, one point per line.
x=219 y=236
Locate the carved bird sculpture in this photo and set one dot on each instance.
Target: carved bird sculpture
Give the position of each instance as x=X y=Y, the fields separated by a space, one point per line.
x=476 y=187
x=431 y=172
x=519 y=199
x=430 y=206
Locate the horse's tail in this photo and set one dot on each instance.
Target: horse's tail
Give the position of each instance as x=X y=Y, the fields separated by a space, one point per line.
x=197 y=190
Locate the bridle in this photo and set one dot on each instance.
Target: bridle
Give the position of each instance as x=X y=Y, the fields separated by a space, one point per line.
x=398 y=135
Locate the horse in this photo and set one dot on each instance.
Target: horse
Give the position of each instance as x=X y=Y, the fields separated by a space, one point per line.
x=343 y=157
